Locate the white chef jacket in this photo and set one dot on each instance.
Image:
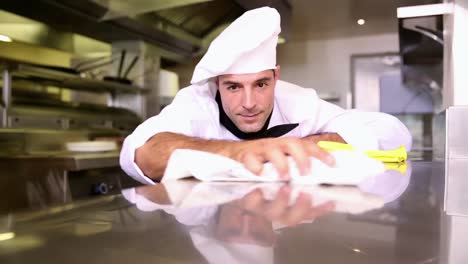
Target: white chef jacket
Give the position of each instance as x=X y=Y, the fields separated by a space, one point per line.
x=194 y=112
x=200 y=222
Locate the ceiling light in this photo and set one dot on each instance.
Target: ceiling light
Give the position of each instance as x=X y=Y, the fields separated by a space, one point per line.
x=6 y=236
x=5 y=38
x=356 y=250
x=361 y=22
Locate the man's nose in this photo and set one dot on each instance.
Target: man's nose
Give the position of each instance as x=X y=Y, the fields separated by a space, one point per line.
x=249 y=100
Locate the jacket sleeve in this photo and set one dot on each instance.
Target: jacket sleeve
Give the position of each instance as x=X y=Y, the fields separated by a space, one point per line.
x=364 y=130
x=174 y=118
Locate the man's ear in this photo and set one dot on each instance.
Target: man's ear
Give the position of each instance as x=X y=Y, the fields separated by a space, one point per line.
x=277 y=72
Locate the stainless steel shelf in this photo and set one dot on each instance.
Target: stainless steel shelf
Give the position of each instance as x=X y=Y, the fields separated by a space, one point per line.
x=66 y=79
x=66 y=161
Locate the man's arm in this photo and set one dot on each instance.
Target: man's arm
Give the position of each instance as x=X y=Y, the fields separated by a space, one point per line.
x=153 y=156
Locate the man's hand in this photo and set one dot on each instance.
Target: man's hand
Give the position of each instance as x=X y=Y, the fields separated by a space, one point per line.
x=280 y=210
x=253 y=154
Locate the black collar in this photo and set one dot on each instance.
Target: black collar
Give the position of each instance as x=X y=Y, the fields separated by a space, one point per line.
x=276 y=131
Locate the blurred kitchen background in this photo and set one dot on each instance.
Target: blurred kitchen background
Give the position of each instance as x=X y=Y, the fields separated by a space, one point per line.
x=90 y=71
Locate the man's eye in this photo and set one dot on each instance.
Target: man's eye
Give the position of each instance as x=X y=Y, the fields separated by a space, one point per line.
x=262 y=84
x=232 y=87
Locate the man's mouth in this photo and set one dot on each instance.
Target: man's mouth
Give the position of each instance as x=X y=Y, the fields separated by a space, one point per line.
x=249 y=115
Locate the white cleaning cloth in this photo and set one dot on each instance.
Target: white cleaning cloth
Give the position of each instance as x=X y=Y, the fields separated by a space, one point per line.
x=351 y=169
x=195 y=194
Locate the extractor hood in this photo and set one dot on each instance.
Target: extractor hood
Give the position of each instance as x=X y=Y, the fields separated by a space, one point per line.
x=422 y=49
x=183 y=27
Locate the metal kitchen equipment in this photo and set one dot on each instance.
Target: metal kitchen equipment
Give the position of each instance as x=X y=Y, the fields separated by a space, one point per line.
x=37 y=123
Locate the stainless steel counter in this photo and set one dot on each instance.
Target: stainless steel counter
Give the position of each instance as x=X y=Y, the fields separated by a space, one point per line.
x=393 y=218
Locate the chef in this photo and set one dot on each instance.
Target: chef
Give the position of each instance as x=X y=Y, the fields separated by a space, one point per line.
x=239 y=222
x=229 y=227
x=238 y=107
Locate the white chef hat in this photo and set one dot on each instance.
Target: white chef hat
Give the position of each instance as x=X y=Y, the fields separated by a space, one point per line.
x=248 y=45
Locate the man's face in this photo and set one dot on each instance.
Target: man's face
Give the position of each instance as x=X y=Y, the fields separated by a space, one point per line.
x=248 y=98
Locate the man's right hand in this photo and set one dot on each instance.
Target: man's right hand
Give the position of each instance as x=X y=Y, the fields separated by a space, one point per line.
x=253 y=154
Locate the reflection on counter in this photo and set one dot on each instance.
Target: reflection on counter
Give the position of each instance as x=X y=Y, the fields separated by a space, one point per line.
x=392 y=218
x=239 y=222
x=46 y=183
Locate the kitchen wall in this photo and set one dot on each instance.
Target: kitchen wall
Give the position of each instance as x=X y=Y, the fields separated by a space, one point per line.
x=324 y=35
x=324 y=64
